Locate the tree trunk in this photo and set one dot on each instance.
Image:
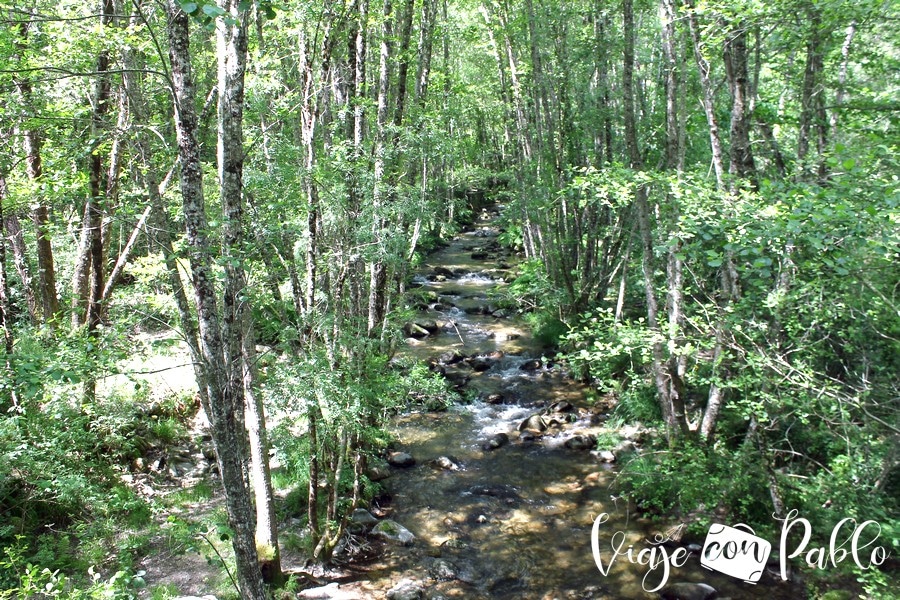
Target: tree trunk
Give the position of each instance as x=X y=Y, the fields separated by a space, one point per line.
x=377 y=271
x=812 y=101
x=20 y=259
x=8 y=390
x=225 y=400
x=262 y=557
x=403 y=64
x=426 y=37
x=40 y=213
x=842 y=78
x=671 y=406
x=741 y=164
x=709 y=108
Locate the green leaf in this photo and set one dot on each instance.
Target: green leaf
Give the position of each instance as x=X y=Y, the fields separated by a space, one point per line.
x=212 y=10
x=849 y=163
x=189 y=7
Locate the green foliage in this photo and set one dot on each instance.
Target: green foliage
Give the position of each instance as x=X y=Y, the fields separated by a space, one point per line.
x=695 y=484
x=425 y=387
x=30 y=580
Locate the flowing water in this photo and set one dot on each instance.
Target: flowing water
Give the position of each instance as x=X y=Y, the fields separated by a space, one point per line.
x=515 y=521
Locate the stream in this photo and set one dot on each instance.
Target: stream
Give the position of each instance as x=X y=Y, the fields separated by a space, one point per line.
x=502 y=513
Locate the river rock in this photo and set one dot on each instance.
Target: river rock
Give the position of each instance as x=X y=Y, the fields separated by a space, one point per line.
x=378 y=469
x=451 y=357
x=332 y=591
x=402 y=460
x=442 y=271
x=688 y=591
x=561 y=407
x=623 y=449
x=494 y=399
x=498 y=440
x=442 y=570
x=415 y=331
x=636 y=433
x=407 y=589
x=481 y=363
x=533 y=423
x=532 y=365
x=499 y=490
x=606 y=456
x=362 y=518
x=527 y=436
x=393 y=531
x=446 y=463
x=581 y=442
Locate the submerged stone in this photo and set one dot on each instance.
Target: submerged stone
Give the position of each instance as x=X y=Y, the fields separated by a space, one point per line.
x=393 y=531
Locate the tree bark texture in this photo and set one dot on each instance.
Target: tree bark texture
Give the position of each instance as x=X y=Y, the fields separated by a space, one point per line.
x=226 y=397
x=40 y=212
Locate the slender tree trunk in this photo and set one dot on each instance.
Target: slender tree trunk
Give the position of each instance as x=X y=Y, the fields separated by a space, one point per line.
x=406 y=24
x=377 y=269
x=677 y=367
x=237 y=332
x=260 y=472
x=162 y=228
x=20 y=259
x=87 y=280
x=673 y=415
x=225 y=400
x=709 y=108
x=842 y=78
x=741 y=163
x=40 y=213
x=312 y=500
x=8 y=390
x=426 y=39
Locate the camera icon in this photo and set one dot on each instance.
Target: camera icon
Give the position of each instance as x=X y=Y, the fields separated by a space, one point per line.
x=738 y=553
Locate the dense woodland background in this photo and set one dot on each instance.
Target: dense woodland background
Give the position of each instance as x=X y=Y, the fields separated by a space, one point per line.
x=705 y=195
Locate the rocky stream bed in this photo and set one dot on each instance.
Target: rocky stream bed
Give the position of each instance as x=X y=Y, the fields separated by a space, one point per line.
x=496 y=498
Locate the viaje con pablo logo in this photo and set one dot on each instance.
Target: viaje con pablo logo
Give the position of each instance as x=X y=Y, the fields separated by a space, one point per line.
x=738 y=552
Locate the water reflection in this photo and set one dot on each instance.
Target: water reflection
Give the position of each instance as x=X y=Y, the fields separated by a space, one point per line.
x=515 y=521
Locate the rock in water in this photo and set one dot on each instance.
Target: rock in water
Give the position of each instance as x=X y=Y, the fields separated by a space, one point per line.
x=447 y=463
x=394 y=532
x=407 y=589
x=400 y=459
x=533 y=423
x=442 y=570
x=332 y=591
x=495 y=441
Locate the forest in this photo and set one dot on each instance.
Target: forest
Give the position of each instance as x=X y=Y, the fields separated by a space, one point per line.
x=694 y=207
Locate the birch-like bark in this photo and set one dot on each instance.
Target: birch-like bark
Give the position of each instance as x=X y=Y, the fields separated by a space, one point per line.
x=406 y=24
x=16 y=238
x=672 y=416
x=237 y=331
x=377 y=268
x=842 y=78
x=6 y=365
x=709 y=108
x=741 y=163
x=425 y=45
x=225 y=400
